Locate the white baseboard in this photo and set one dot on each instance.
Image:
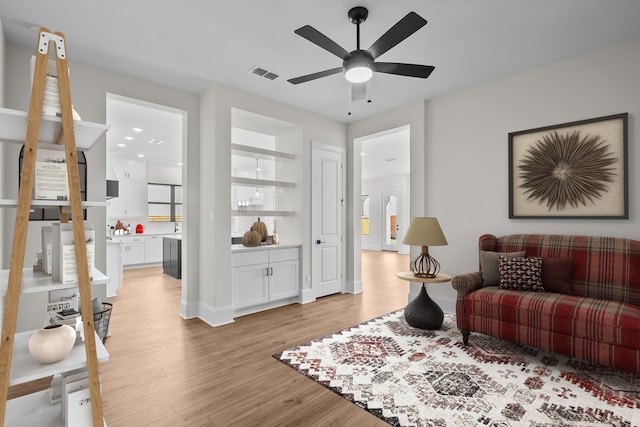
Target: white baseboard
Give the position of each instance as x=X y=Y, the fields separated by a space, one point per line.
x=353 y=287
x=215 y=316
x=307 y=296
x=188 y=310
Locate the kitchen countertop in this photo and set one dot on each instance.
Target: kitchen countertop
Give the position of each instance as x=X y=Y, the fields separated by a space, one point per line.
x=173 y=236
x=241 y=248
x=116 y=236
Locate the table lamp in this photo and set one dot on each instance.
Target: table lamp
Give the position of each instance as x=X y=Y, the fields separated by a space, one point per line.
x=425 y=232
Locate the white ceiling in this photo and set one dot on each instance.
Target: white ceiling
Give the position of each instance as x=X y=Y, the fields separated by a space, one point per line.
x=190 y=44
x=159 y=139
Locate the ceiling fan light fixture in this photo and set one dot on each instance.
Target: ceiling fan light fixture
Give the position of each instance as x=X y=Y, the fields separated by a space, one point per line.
x=358 y=74
x=358 y=67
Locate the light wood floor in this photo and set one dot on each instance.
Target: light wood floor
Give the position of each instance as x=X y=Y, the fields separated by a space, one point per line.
x=167 y=371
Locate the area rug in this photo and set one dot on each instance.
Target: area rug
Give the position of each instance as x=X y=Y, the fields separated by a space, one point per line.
x=411 y=377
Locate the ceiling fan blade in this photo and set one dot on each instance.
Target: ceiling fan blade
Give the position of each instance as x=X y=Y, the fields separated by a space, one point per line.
x=409 y=70
x=316 y=37
x=408 y=25
x=314 y=76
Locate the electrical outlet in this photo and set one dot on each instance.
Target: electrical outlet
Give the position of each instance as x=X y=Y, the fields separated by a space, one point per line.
x=210 y=215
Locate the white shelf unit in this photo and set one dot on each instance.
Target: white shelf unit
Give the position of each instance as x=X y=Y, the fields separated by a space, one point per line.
x=36 y=409
x=261 y=213
x=253 y=182
x=40 y=282
x=261 y=154
x=12 y=203
x=13 y=128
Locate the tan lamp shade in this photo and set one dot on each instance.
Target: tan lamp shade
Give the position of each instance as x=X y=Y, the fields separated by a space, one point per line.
x=425 y=232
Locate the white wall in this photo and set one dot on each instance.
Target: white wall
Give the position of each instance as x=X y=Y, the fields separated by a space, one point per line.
x=462 y=146
x=216 y=103
x=467 y=140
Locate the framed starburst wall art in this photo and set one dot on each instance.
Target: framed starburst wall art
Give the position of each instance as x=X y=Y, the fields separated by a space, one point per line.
x=572 y=170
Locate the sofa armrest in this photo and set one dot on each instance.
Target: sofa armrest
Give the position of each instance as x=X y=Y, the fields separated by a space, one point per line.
x=467 y=283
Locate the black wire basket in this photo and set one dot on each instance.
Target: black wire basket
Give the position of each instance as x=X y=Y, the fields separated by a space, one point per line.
x=101 y=321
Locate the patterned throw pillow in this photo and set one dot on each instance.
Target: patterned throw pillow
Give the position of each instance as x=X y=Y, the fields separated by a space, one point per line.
x=520 y=273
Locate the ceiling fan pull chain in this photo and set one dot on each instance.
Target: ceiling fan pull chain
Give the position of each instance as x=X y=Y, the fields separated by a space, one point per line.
x=349 y=108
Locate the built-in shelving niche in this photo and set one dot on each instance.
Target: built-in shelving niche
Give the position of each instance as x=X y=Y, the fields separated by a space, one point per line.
x=266 y=174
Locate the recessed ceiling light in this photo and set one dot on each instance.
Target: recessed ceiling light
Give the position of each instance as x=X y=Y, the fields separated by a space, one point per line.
x=179 y=164
x=128 y=138
x=140 y=155
x=362 y=154
x=136 y=129
x=156 y=141
x=122 y=145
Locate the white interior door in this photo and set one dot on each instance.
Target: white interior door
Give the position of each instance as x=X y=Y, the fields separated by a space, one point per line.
x=327 y=220
x=390 y=221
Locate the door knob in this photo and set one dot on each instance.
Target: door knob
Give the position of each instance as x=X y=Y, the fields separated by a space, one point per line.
x=320 y=241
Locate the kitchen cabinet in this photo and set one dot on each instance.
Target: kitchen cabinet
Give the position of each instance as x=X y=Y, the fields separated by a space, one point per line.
x=133 y=249
x=264 y=278
x=129 y=169
x=152 y=249
x=131 y=201
x=172 y=256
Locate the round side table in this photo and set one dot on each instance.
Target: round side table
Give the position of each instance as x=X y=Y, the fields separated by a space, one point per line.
x=423 y=312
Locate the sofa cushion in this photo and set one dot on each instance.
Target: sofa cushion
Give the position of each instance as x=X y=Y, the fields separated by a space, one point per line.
x=520 y=273
x=556 y=274
x=545 y=312
x=489 y=266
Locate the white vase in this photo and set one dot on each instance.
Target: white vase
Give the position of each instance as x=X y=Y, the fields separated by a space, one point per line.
x=52 y=343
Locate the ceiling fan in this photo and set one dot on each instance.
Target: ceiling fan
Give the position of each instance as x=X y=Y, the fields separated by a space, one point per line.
x=359 y=65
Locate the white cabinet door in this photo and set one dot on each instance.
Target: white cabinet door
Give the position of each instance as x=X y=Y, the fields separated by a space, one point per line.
x=131 y=201
x=152 y=249
x=250 y=285
x=136 y=199
x=129 y=169
x=133 y=250
x=283 y=280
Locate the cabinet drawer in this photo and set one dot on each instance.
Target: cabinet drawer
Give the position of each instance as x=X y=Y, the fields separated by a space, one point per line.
x=289 y=254
x=239 y=259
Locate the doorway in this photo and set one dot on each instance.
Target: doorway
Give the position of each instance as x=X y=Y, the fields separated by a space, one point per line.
x=144 y=157
x=385 y=184
x=389 y=221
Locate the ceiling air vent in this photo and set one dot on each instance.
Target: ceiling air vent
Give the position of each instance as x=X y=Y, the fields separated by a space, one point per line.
x=259 y=71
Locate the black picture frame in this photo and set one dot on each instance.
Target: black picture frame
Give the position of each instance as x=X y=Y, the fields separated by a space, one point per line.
x=575 y=170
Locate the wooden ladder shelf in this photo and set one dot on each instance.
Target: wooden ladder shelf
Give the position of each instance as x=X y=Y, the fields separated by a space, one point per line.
x=66 y=138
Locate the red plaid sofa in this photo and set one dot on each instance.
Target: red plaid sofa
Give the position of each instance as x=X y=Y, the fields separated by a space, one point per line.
x=596 y=318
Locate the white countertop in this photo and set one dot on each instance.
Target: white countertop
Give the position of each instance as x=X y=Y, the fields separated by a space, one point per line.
x=242 y=248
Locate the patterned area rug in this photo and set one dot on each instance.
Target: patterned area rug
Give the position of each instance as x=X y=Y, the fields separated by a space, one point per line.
x=411 y=377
